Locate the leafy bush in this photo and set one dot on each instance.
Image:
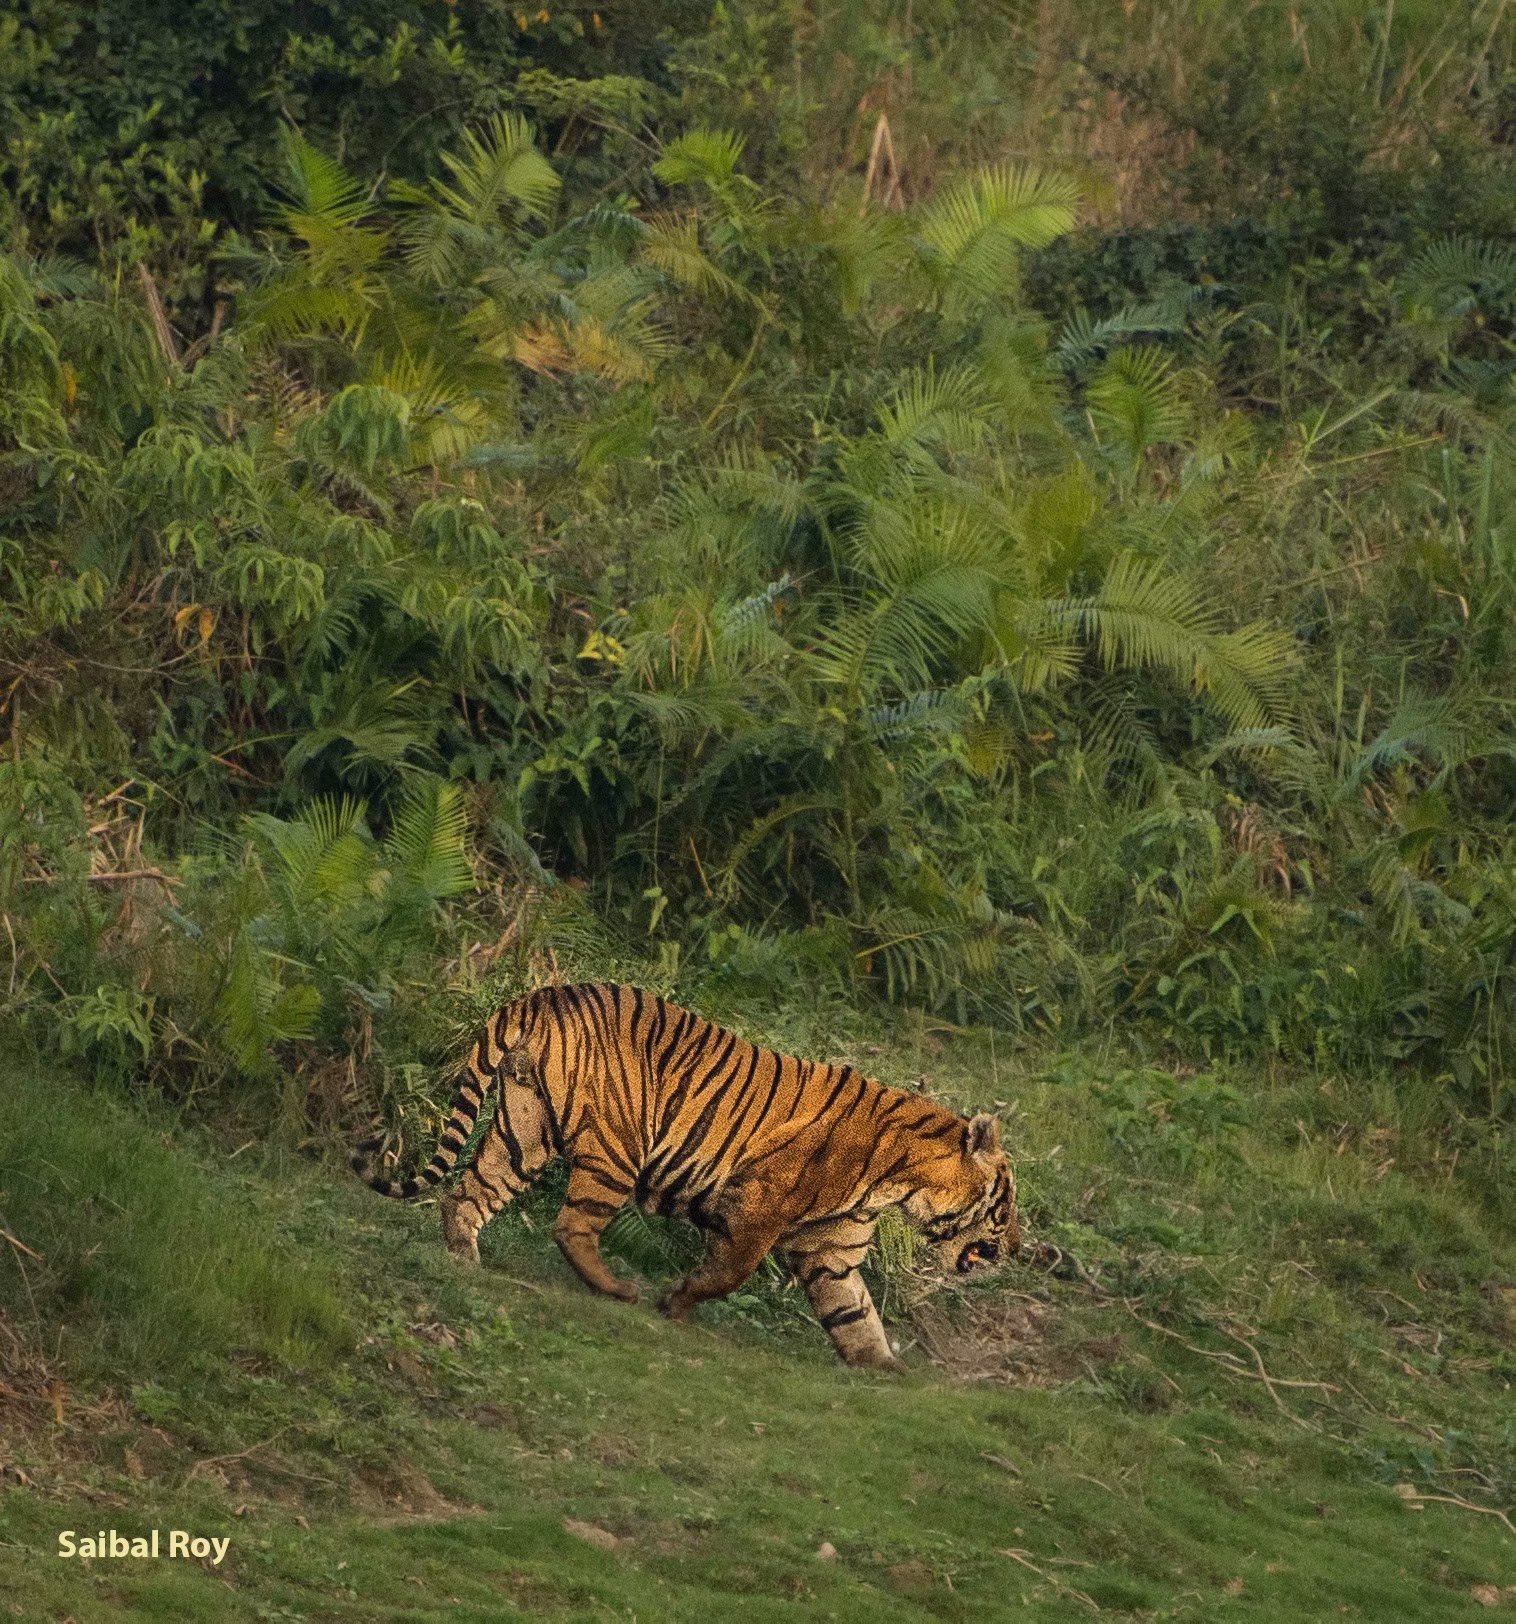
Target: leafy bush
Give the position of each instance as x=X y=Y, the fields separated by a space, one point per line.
x=774 y=591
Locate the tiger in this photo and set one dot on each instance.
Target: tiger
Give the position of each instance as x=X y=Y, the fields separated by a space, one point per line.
x=651 y=1103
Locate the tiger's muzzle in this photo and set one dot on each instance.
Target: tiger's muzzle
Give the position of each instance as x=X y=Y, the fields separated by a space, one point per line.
x=978 y=1253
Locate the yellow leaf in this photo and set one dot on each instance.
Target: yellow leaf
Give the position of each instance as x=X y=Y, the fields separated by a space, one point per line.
x=602 y=646
x=205 y=620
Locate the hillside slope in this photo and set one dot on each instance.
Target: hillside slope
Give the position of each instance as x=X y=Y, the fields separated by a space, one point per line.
x=272 y=1354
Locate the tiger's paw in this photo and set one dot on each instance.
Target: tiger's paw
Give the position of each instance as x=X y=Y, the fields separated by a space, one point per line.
x=871 y=1359
x=672 y=1306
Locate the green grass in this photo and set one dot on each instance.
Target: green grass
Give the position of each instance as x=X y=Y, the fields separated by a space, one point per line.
x=428 y=1469
x=147 y=1260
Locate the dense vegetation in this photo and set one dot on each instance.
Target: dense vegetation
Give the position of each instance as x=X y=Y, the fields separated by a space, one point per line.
x=699 y=536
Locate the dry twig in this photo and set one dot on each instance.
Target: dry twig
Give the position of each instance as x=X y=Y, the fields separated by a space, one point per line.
x=19 y=1245
x=1234 y=1365
x=1467 y=1505
x=169 y=880
x=161 y=327
x=1052 y=1578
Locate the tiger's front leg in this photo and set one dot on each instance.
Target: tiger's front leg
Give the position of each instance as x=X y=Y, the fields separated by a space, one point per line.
x=840 y=1300
x=731 y=1255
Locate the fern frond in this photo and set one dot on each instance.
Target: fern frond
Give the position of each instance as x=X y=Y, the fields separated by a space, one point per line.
x=1462 y=275
x=1146 y=618
x=317 y=185
x=1084 y=338
x=498 y=175
x=671 y=245
x=704 y=157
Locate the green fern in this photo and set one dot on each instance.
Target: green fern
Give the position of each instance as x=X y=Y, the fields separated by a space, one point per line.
x=1458 y=276
x=1144 y=617
x=1135 y=398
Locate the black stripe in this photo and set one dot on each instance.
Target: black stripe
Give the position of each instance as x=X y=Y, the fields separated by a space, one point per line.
x=739 y=1117
x=919 y=1123
x=615 y=1054
x=501 y=1196
x=596 y=1209
x=636 y=1040
x=843 y=1316
x=682 y=1028
x=824 y=1271
x=686 y=1085
x=768 y=1100
x=690 y=1149
x=507 y=1136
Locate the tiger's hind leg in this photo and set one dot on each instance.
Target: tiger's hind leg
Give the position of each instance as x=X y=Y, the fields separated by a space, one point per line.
x=517 y=1145
x=597 y=1191
x=828 y=1269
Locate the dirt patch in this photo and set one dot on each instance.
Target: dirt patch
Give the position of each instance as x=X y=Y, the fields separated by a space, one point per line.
x=401 y=1494
x=611 y=1449
x=1008 y=1339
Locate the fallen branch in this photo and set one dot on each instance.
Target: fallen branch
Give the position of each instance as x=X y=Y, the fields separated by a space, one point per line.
x=1467 y=1505
x=526 y=1285
x=1272 y=1383
x=222 y=1460
x=1234 y=1365
x=1063 y=1265
x=1052 y=1578
x=111 y=878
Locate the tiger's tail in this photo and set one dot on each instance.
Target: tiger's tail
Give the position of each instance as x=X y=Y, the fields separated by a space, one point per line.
x=480 y=1073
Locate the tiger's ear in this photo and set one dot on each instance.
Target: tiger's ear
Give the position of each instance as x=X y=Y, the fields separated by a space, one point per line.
x=982 y=1134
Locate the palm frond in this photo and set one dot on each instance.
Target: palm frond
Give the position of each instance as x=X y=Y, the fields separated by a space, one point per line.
x=1144 y=617
x=700 y=157
x=498 y=175
x=972 y=236
x=427 y=844
x=1461 y=275
x=1136 y=399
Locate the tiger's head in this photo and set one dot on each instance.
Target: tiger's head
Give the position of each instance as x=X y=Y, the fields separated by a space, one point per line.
x=967 y=1206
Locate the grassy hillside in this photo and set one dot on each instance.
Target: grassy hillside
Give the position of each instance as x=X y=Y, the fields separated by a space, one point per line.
x=268 y=1351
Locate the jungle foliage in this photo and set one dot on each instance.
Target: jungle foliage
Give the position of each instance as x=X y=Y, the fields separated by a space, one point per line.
x=659 y=515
